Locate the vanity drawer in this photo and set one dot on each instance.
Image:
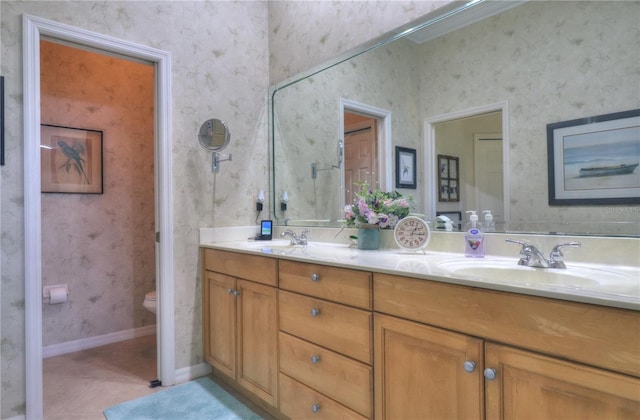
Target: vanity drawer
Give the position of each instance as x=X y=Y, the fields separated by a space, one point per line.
x=250 y=267
x=596 y=335
x=351 y=287
x=341 y=328
x=298 y=401
x=341 y=378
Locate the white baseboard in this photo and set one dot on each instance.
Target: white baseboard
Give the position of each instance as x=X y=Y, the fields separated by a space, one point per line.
x=20 y=417
x=97 y=341
x=192 y=372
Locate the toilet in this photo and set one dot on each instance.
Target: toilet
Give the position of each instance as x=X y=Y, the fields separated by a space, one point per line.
x=150 y=301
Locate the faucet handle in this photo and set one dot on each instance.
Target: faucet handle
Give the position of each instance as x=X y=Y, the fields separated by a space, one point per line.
x=514 y=241
x=557 y=255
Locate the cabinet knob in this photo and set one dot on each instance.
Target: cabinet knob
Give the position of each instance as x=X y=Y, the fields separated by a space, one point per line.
x=490 y=374
x=315 y=312
x=315 y=408
x=469 y=366
x=315 y=359
x=315 y=277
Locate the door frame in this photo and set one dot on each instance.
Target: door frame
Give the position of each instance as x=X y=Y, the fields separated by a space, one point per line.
x=33 y=29
x=430 y=196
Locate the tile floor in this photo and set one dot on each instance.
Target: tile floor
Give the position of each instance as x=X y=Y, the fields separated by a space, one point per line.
x=80 y=385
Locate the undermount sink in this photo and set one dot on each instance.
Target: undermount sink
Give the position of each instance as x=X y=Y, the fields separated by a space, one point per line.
x=573 y=277
x=284 y=246
x=274 y=243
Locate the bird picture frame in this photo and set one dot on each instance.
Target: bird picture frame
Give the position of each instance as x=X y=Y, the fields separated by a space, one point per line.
x=71 y=160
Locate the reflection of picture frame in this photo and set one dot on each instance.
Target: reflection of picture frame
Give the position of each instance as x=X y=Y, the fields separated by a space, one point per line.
x=454 y=216
x=448 y=178
x=595 y=160
x=71 y=160
x=1 y=120
x=405 y=167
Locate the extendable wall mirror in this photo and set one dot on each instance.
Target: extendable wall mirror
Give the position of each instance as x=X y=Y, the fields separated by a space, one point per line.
x=214 y=136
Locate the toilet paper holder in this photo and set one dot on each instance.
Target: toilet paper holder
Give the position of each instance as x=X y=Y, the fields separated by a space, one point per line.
x=46 y=291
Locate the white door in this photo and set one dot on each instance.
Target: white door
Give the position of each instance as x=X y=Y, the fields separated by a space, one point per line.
x=487 y=158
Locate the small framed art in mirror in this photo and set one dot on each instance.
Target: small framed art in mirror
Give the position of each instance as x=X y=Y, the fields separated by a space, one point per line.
x=448 y=178
x=405 y=167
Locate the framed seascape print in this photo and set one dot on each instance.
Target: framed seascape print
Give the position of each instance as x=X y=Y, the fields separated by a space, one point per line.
x=71 y=160
x=595 y=160
x=448 y=178
x=405 y=167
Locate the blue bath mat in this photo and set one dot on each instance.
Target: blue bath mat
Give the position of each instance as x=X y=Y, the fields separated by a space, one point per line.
x=201 y=399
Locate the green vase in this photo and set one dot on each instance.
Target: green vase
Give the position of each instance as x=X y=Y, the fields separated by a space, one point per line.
x=368 y=237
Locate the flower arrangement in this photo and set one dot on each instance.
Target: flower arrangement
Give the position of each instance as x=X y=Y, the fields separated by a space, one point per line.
x=377 y=207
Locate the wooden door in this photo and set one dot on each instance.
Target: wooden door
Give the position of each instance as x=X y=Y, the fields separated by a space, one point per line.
x=420 y=372
x=220 y=322
x=257 y=340
x=531 y=386
x=360 y=156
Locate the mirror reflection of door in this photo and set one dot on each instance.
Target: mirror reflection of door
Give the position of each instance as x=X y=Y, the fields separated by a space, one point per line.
x=360 y=153
x=480 y=162
x=487 y=162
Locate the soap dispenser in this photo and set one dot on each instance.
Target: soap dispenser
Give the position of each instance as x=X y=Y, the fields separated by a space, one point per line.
x=474 y=239
x=489 y=225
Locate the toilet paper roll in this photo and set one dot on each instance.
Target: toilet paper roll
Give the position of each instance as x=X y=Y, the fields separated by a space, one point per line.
x=57 y=295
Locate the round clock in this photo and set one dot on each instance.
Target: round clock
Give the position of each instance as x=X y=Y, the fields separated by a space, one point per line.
x=412 y=233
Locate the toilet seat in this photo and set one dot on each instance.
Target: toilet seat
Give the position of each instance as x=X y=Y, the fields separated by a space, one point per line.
x=150 y=301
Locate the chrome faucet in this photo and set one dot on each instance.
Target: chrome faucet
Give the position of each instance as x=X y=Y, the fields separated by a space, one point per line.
x=295 y=239
x=531 y=256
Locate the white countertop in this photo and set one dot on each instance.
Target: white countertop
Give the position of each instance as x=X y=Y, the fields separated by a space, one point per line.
x=608 y=285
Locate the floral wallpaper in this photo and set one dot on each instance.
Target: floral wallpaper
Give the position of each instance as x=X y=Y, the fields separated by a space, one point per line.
x=222 y=65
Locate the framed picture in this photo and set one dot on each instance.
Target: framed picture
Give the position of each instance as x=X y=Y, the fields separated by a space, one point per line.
x=448 y=177
x=71 y=160
x=405 y=167
x=595 y=160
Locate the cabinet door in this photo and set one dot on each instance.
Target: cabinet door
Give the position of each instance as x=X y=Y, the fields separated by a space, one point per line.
x=531 y=386
x=220 y=322
x=420 y=372
x=257 y=340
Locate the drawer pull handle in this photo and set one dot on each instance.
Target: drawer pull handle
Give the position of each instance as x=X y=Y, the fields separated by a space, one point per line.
x=315 y=359
x=315 y=408
x=315 y=277
x=233 y=292
x=315 y=312
x=469 y=366
x=490 y=374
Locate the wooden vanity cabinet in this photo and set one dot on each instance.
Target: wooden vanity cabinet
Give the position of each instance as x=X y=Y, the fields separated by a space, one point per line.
x=555 y=359
x=423 y=372
x=240 y=320
x=325 y=342
x=532 y=386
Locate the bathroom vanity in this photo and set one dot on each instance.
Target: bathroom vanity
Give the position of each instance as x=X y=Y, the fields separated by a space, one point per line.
x=334 y=332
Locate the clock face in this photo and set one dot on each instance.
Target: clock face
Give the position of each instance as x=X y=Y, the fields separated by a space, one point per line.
x=412 y=233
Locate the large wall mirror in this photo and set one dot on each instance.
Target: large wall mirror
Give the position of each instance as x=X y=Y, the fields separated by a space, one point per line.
x=489 y=87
